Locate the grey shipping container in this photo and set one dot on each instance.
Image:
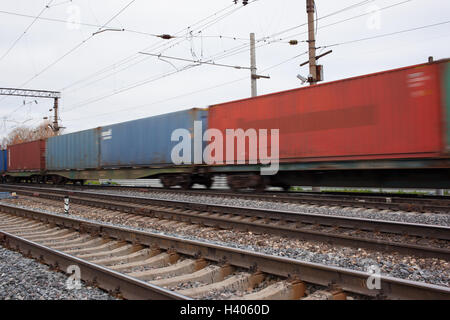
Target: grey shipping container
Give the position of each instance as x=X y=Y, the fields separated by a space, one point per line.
x=74 y=151
x=146 y=142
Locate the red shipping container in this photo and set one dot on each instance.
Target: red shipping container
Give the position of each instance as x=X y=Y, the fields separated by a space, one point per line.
x=28 y=156
x=387 y=115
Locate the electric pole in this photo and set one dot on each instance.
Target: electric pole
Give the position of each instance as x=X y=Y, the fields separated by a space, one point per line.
x=311 y=9
x=253 y=76
x=56 y=126
x=253 y=65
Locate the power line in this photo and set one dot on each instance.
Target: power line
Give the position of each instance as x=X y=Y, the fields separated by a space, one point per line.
x=346 y=20
x=161 y=44
x=26 y=30
x=117 y=14
x=196 y=61
x=233 y=51
x=342 y=43
x=387 y=34
x=317 y=19
x=78 y=23
x=266 y=40
x=70 y=51
x=130 y=87
x=243 y=48
x=192 y=92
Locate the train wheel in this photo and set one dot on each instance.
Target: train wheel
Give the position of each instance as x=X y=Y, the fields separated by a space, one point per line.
x=187 y=184
x=166 y=182
x=261 y=186
x=208 y=184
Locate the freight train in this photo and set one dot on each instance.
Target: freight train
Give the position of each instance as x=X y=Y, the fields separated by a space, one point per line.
x=387 y=129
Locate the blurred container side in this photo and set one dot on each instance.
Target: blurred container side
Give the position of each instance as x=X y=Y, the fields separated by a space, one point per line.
x=446 y=96
x=3 y=160
x=28 y=156
x=146 y=142
x=74 y=151
x=387 y=115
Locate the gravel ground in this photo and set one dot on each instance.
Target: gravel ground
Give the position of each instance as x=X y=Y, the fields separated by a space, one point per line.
x=25 y=279
x=427 y=270
x=374 y=214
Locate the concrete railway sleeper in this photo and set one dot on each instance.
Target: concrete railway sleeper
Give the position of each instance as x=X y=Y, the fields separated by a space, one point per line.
x=195 y=278
x=399 y=202
x=137 y=264
x=418 y=240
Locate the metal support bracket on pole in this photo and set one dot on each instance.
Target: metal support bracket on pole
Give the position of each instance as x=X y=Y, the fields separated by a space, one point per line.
x=37 y=94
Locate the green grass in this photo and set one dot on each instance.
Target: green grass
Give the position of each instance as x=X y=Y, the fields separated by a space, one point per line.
x=93 y=182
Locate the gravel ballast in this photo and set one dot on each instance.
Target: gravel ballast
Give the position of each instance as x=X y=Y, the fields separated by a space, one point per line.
x=26 y=279
x=374 y=214
x=435 y=271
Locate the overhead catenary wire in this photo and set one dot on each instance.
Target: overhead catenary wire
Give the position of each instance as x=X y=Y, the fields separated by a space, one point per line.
x=242 y=50
x=26 y=30
x=386 y=34
x=146 y=81
x=265 y=40
x=345 y=20
x=195 y=61
x=84 y=24
x=270 y=39
x=161 y=45
x=134 y=57
x=190 y=93
x=327 y=46
x=127 y=88
x=233 y=51
x=317 y=19
x=69 y=52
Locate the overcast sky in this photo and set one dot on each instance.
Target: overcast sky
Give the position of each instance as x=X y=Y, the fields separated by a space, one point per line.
x=133 y=86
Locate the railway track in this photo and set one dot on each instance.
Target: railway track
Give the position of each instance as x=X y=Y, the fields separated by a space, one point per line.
x=137 y=265
x=408 y=203
x=412 y=239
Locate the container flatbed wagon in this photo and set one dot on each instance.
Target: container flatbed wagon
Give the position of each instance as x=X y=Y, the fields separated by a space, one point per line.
x=388 y=129
x=26 y=161
x=129 y=150
x=385 y=129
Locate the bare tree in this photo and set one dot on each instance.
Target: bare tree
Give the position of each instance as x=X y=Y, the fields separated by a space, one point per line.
x=27 y=134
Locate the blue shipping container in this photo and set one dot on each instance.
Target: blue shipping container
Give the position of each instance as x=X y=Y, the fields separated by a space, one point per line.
x=74 y=151
x=146 y=142
x=3 y=160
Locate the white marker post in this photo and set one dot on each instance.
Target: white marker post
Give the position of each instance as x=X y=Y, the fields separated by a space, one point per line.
x=66 y=204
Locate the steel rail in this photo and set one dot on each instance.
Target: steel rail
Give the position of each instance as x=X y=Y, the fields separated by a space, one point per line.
x=402 y=228
x=348 y=280
x=295 y=231
x=357 y=200
x=107 y=279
